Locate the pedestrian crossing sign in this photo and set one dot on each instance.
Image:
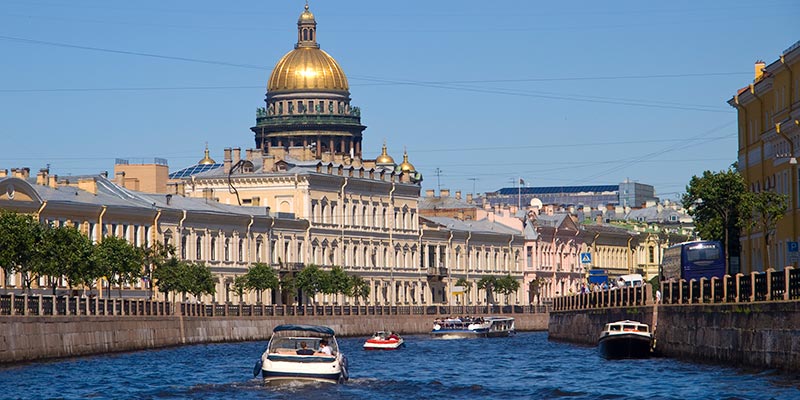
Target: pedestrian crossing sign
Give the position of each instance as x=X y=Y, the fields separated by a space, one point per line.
x=586 y=258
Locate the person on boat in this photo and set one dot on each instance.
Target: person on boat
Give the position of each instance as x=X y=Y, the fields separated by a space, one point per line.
x=304 y=350
x=393 y=335
x=324 y=348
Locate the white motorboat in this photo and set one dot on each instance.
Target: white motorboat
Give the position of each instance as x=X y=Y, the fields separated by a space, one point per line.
x=384 y=340
x=468 y=327
x=625 y=339
x=299 y=353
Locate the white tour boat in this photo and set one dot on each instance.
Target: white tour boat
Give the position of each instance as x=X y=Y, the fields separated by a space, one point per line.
x=384 y=340
x=469 y=327
x=625 y=339
x=302 y=353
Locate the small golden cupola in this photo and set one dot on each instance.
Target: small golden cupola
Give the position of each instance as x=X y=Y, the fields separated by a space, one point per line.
x=384 y=160
x=207 y=160
x=406 y=166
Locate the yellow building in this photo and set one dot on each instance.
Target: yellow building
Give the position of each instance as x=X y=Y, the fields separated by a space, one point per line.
x=769 y=140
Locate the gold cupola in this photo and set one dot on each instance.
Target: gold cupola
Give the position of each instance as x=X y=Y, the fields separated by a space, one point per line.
x=384 y=159
x=406 y=166
x=207 y=160
x=307 y=67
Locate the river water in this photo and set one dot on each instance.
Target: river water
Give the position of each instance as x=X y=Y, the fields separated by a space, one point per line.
x=525 y=366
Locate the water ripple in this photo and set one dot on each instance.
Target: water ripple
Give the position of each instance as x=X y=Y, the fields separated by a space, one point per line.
x=526 y=366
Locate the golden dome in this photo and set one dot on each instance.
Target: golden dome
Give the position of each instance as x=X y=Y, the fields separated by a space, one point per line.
x=406 y=166
x=307 y=68
x=207 y=159
x=384 y=158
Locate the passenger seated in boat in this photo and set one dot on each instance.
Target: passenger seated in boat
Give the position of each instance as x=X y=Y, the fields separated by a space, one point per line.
x=394 y=336
x=304 y=350
x=324 y=349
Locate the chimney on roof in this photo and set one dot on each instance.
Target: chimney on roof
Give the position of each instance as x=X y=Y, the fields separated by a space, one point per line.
x=104 y=174
x=458 y=195
x=169 y=198
x=759 y=70
x=444 y=193
x=469 y=198
x=21 y=173
x=88 y=184
x=430 y=193
x=237 y=154
x=227 y=160
x=3 y=173
x=41 y=177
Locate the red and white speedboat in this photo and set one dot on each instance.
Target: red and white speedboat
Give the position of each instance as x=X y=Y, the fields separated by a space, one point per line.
x=384 y=340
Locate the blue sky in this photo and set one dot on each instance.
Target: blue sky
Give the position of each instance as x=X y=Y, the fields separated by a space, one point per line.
x=555 y=93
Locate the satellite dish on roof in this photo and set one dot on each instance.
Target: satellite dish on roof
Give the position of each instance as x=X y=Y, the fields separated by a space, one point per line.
x=536 y=203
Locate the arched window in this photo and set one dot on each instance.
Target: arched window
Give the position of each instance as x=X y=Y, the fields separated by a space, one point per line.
x=199 y=247
x=227 y=249
x=183 y=247
x=241 y=250
x=213 y=249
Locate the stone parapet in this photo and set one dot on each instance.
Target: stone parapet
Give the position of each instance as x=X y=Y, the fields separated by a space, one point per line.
x=35 y=338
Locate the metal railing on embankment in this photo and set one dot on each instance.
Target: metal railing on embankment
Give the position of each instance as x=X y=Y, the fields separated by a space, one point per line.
x=43 y=305
x=766 y=286
x=614 y=297
x=740 y=288
x=256 y=310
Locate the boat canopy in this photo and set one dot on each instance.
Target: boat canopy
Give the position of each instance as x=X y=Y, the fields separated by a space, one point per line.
x=305 y=328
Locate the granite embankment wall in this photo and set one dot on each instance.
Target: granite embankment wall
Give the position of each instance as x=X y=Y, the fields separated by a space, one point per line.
x=34 y=338
x=758 y=335
x=584 y=326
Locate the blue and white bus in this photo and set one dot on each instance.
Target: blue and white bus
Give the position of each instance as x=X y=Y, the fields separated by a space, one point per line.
x=693 y=260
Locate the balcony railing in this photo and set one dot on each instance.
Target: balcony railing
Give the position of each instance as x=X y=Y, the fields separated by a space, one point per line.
x=308 y=119
x=438 y=272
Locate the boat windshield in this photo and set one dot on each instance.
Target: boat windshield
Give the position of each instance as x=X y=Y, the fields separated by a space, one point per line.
x=290 y=344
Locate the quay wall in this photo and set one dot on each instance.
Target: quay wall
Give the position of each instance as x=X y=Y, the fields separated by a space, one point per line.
x=760 y=335
x=764 y=335
x=584 y=326
x=27 y=338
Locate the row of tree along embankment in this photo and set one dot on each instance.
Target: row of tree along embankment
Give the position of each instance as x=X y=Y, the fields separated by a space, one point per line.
x=96 y=326
x=744 y=320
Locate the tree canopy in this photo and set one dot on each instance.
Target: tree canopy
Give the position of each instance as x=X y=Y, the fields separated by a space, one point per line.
x=713 y=201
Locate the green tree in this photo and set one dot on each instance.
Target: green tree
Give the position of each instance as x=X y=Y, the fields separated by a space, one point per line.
x=20 y=237
x=358 y=288
x=760 y=212
x=240 y=286
x=120 y=261
x=154 y=257
x=199 y=280
x=507 y=285
x=467 y=285
x=488 y=283
x=713 y=201
x=535 y=288
x=261 y=277
x=335 y=281
x=310 y=280
x=66 y=252
x=168 y=277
